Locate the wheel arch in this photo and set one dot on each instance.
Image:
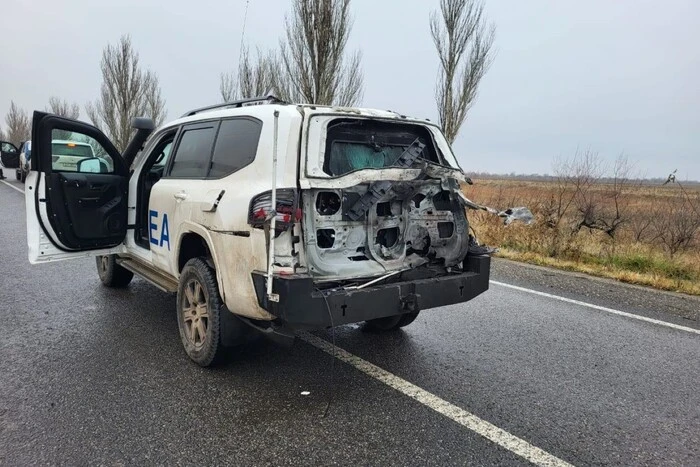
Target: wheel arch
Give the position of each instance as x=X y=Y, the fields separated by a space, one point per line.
x=195 y=241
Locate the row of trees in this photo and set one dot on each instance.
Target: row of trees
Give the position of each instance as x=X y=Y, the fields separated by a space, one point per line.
x=19 y=125
x=311 y=64
x=126 y=91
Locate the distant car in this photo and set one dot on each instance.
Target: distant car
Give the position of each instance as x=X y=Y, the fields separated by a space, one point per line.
x=25 y=154
x=67 y=154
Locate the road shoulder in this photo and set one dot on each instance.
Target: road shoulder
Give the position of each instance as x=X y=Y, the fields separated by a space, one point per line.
x=666 y=306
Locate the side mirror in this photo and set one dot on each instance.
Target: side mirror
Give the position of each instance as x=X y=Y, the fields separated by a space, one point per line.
x=90 y=165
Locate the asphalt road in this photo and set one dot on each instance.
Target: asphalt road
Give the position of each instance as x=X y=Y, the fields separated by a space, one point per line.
x=90 y=375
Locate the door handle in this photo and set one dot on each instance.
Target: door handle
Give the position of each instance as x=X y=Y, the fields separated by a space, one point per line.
x=181 y=196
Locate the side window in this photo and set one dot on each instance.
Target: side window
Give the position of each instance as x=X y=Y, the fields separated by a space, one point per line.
x=8 y=147
x=191 y=159
x=164 y=155
x=75 y=152
x=235 y=147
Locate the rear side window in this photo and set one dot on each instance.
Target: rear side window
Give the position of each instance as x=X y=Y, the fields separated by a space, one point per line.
x=193 y=153
x=357 y=144
x=236 y=146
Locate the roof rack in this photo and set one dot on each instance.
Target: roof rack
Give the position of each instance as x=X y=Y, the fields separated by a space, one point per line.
x=269 y=99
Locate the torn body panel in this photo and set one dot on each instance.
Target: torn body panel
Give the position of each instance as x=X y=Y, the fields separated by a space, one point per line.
x=379 y=196
x=414 y=223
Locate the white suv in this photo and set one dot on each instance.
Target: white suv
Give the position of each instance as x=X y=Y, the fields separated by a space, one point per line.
x=264 y=216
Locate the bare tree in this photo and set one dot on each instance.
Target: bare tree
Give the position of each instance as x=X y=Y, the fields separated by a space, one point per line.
x=676 y=224
x=228 y=87
x=604 y=208
x=574 y=179
x=126 y=92
x=312 y=65
x=63 y=108
x=464 y=46
x=252 y=79
x=19 y=127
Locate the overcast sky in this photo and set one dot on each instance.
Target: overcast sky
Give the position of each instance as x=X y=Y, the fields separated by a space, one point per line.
x=614 y=76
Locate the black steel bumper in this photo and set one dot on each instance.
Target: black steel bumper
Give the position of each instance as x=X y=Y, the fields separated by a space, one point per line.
x=302 y=306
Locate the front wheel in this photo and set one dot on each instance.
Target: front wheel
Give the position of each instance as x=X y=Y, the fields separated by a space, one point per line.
x=111 y=274
x=198 y=312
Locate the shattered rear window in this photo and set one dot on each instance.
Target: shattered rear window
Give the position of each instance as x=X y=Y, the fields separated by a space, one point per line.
x=356 y=144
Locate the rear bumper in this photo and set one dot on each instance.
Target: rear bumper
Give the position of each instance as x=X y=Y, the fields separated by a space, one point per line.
x=302 y=306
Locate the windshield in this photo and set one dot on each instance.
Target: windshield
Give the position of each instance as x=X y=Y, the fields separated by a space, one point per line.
x=71 y=149
x=355 y=144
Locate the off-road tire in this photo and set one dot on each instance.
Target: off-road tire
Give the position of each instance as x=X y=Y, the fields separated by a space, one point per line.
x=390 y=323
x=111 y=274
x=408 y=318
x=386 y=324
x=198 y=309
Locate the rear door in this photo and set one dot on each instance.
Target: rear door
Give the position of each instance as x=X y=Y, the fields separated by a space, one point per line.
x=78 y=211
x=177 y=197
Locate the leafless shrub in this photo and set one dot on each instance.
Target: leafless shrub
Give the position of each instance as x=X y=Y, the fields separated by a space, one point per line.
x=126 y=92
x=573 y=180
x=676 y=225
x=604 y=208
x=464 y=46
x=19 y=127
x=641 y=225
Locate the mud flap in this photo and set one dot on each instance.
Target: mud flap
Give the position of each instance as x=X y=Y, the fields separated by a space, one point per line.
x=233 y=331
x=281 y=335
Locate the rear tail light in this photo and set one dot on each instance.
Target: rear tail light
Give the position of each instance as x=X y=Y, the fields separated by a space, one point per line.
x=286 y=211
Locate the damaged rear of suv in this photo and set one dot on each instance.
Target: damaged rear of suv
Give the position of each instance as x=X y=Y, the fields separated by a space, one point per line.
x=384 y=232
x=263 y=215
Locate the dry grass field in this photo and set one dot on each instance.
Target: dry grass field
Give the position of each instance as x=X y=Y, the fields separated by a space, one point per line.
x=638 y=233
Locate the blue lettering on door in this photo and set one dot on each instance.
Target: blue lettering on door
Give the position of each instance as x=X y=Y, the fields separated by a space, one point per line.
x=153 y=227
x=165 y=232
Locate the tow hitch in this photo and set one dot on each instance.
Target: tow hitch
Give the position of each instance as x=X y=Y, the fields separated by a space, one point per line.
x=409 y=303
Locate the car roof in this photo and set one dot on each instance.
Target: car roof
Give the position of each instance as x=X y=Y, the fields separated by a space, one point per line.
x=262 y=111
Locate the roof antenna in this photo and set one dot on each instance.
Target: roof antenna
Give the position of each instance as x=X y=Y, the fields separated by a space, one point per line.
x=245 y=18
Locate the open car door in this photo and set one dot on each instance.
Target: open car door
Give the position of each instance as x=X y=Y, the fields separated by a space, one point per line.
x=76 y=192
x=9 y=155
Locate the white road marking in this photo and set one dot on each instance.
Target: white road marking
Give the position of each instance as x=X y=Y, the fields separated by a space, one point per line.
x=489 y=431
x=600 y=308
x=12 y=186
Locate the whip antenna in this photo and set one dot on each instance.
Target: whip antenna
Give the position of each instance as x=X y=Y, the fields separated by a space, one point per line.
x=245 y=18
